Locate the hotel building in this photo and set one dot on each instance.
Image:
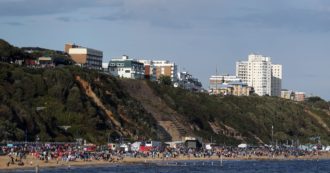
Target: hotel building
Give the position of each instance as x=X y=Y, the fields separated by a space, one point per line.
x=165 y=68
x=156 y=68
x=259 y=73
x=85 y=57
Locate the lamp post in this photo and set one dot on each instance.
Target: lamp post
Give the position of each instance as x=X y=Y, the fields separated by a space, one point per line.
x=272 y=136
x=37 y=140
x=109 y=137
x=26 y=135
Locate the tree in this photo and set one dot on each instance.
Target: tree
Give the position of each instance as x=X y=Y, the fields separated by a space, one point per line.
x=318 y=102
x=314 y=99
x=165 y=80
x=74 y=102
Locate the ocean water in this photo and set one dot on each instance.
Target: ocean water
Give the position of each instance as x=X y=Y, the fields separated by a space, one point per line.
x=298 y=166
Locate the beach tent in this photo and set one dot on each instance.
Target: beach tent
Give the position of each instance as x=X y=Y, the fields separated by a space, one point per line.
x=242 y=146
x=135 y=146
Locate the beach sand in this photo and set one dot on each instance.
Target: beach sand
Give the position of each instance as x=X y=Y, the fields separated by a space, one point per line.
x=31 y=162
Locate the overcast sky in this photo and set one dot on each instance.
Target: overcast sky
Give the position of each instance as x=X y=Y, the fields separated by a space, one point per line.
x=199 y=35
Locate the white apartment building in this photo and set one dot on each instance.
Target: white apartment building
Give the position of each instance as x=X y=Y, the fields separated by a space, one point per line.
x=242 y=71
x=257 y=72
x=105 y=67
x=276 y=80
x=126 y=68
x=188 y=82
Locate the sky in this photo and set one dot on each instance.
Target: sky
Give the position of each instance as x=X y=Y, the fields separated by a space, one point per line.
x=198 y=35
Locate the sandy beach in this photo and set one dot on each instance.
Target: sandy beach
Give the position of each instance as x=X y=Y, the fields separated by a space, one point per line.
x=31 y=162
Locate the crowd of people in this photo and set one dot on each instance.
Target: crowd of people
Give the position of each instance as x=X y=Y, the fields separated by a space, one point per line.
x=70 y=152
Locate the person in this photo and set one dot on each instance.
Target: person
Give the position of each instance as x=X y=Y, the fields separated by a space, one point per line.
x=20 y=163
x=11 y=160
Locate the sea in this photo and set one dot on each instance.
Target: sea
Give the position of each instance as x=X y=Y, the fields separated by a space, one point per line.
x=295 y=166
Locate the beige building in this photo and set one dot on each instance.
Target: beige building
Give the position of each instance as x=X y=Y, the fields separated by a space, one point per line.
x=156 y=68
x=85 y=57
x=241 y=89
x=165 y=68
x=229 y=85
x=293 y=95
x=232 y=88
x=287 y=94
x=299 y=96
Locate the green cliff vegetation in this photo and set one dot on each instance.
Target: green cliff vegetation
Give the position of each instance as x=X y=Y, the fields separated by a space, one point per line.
x=98 y=107
x=249 y=119
x=9 y=53
x=67 y=103
x=39 y=102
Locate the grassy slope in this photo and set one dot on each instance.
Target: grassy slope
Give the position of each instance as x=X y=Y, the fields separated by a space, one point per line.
x=23 y=89
x=246 y=118
x=227 y=120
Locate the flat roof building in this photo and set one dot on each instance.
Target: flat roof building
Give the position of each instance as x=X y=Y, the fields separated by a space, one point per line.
x=165 y=68
x=149 y=69
x=125 y=67
x=85 y=57
x=261 y=74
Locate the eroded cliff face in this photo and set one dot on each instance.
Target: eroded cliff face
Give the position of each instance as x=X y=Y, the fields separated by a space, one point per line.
x=166 y=117
x=87 y=89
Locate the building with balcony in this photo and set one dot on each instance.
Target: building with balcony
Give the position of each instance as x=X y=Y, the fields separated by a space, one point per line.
x=217 y=80
x=186 y=81
x=149 y=69
x=229 y=85
x=125 y=67
x=165 y=68
x=259 y=73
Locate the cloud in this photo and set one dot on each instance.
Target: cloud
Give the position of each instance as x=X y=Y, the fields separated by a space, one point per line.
x=64 y=19
x=293 y=15
x=13 y=23
x=296 y=15
x=155 y=13
x=47 y=7
x=294 y=19
x=162 y=22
